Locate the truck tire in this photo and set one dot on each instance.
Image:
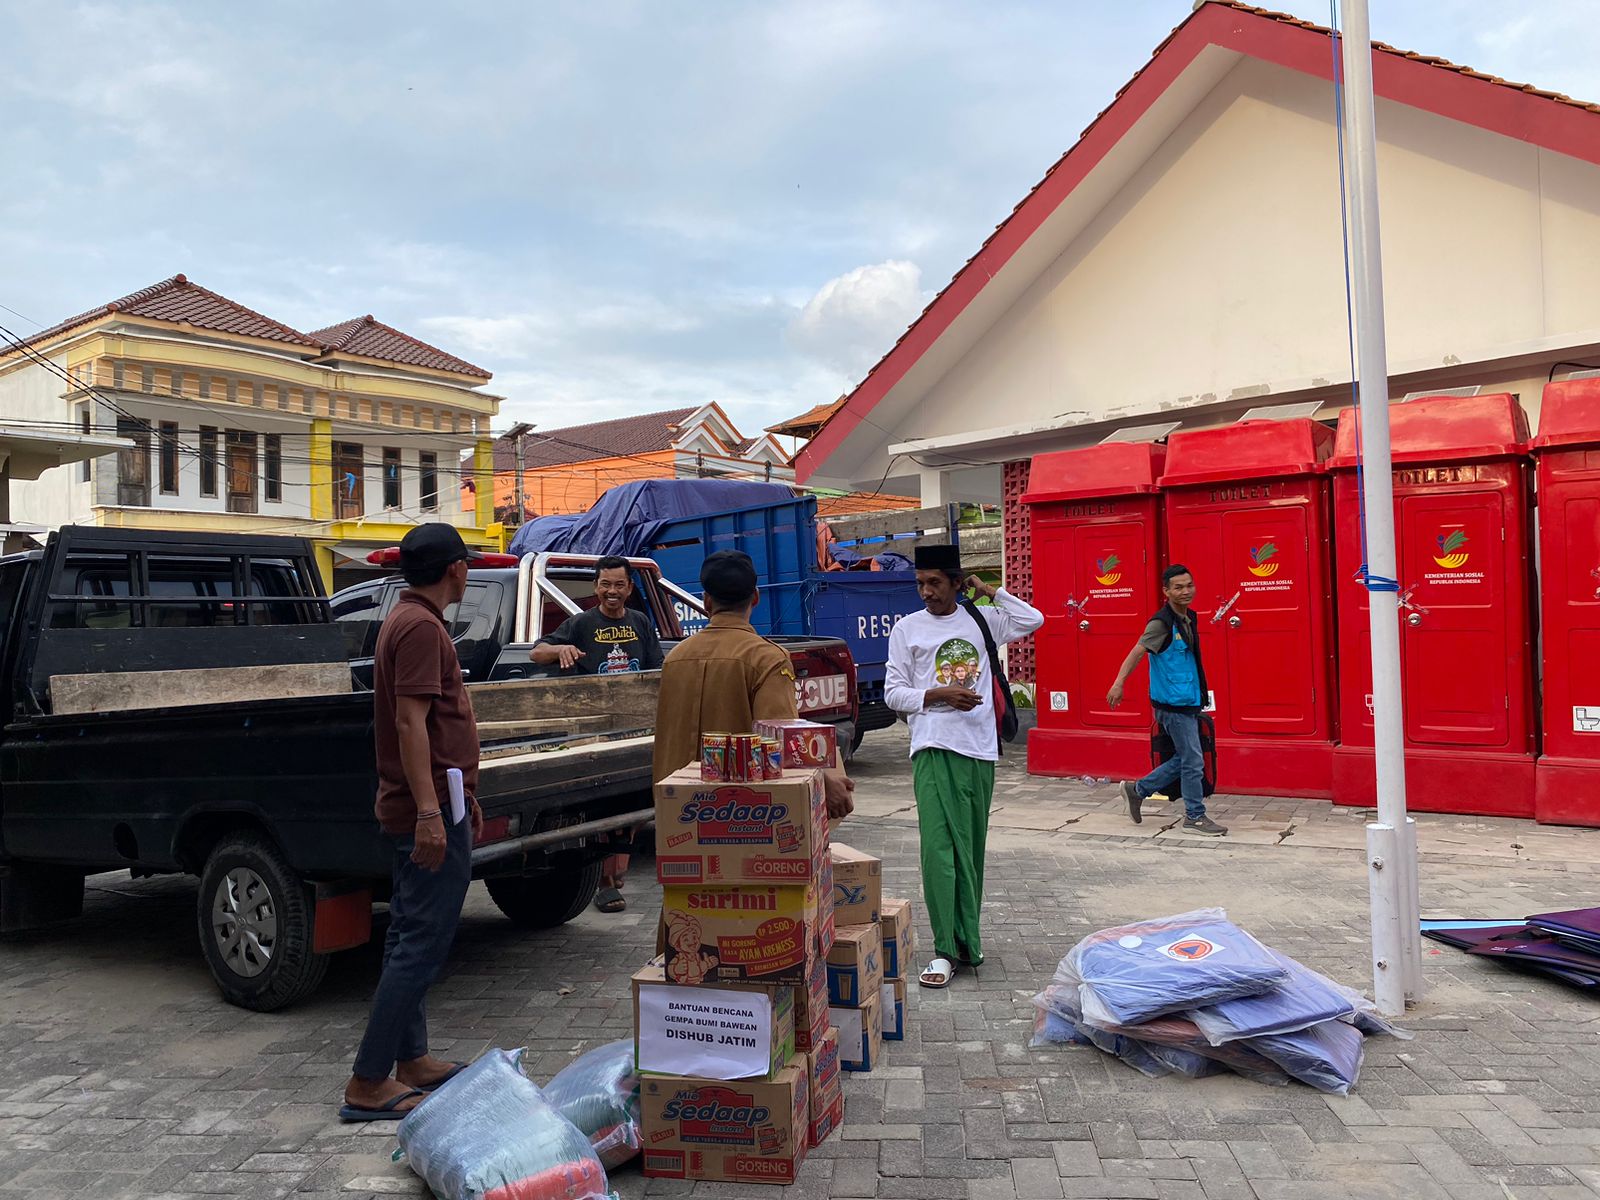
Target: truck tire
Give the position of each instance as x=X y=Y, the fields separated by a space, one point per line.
x=545 y=900
x=855 y=742
x=255 y=919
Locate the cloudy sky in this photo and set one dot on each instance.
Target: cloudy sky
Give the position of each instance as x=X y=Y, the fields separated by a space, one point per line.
x=614 y=205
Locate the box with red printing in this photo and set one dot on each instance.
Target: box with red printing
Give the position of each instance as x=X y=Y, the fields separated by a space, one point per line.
x=774 y=831
x=742 y=933
x=811 y=1008
x=747 y=1132
x=827 y=1087
x=805 y=744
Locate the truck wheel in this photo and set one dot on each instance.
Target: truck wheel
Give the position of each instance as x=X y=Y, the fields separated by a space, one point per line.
x=255 y=925
x=546 y=900
x=855 y=742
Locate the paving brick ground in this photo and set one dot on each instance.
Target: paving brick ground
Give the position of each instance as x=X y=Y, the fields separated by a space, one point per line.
x=125 y=1076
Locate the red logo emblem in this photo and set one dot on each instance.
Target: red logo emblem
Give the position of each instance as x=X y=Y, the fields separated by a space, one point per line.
x=1191 y=949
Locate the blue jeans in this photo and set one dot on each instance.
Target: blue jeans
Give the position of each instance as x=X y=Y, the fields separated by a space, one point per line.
x=1187 y=765
x=423 y=914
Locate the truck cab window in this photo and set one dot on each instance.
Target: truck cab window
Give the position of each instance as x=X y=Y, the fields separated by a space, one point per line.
x=104 y=587
x=356 y=614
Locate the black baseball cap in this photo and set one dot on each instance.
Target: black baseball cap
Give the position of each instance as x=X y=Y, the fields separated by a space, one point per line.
x=431 y=546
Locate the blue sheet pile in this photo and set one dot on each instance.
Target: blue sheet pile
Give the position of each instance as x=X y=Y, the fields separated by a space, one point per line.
x=1564 y=946
x=1193 y=995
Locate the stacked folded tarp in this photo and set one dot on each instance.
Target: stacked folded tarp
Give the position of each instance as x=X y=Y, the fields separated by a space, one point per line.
x=1194 y=994
x=1564 y=946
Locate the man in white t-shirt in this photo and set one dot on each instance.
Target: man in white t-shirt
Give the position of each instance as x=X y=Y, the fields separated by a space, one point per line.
x=940 y=677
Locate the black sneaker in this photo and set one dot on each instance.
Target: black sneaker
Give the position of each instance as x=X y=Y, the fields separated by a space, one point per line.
x=1130 y=793
x=1204 y=826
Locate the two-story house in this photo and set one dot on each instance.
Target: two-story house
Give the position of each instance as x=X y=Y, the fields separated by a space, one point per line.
x=348 y=435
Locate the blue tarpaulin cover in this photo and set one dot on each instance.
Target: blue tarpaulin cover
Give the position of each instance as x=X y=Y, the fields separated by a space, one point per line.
x=627 y=518
x=1133 y=972
x=1306 y=998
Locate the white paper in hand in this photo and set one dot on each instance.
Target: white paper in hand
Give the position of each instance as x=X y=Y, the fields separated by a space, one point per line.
x=458 y=795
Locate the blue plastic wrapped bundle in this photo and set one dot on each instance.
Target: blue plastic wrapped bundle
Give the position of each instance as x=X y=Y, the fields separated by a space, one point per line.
x=599 y=1093
x=1145 y=969
x=489 y=1134
x=1304 y=999
x=1326 y=1056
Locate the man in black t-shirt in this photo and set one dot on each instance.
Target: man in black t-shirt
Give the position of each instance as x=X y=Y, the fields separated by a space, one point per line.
x=607 y=639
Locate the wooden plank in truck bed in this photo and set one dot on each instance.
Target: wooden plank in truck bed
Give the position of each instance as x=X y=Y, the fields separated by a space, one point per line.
x=122 y=691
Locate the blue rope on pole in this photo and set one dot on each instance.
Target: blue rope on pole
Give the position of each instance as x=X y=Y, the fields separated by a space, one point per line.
x=1363 y=575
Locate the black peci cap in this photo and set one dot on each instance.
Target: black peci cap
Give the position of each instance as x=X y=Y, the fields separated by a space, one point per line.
x=938 y=558
x=429 y=547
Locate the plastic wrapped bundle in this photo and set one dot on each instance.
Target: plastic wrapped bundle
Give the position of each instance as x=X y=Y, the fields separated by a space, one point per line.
x=1326 y=1056
x=489 y=1134
x=1304 y=999
x=1146 y=969
x=599 y=1093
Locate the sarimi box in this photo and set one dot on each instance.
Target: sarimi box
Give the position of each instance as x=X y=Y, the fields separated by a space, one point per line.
x=899 y=939
x=775 y=831
x=737 y=1031
x=855 y=965
x=742 y=933
x=748 y=1132
x=857 y=886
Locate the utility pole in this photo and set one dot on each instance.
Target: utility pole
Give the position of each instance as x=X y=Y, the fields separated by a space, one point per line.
x=517 y=432
x=1392 y=838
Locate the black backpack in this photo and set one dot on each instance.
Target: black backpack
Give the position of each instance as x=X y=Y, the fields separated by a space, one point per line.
x=1004 y=706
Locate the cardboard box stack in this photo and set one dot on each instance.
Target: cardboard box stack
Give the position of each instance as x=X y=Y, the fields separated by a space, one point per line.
x=734 y=1061
x=855 y=964
x=899 y=956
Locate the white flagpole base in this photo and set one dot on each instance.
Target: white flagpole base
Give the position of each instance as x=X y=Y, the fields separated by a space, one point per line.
x=1385 y=879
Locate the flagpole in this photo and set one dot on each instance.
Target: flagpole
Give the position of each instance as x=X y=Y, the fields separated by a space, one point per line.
x=1391 y=840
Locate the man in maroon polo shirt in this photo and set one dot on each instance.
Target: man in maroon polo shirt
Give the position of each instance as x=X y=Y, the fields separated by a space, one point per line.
x=423 y=726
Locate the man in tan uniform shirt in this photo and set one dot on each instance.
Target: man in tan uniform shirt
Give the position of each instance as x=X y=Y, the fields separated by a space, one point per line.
x=727 y=677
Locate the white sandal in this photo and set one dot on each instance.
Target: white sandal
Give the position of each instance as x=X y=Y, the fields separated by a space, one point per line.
x=941 y=969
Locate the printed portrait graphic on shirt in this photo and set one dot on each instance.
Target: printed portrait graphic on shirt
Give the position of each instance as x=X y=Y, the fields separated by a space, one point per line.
x=956 y=662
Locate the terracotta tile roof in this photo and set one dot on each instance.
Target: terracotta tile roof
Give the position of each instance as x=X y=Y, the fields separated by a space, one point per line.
x=647 y=433
x=1442 y=64
x=370 y=338
x=179 y=301
x=809 y=421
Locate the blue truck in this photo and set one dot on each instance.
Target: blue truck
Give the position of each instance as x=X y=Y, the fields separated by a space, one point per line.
x=678 y=522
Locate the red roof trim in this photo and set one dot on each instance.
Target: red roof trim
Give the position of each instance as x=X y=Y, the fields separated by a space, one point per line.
x=1435 y=85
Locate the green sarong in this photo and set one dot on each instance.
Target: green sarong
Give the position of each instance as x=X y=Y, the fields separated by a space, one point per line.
x=953 y=797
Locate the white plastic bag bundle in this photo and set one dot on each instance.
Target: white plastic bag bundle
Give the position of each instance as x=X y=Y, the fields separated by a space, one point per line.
x=489 y=1134
x=599 y=1093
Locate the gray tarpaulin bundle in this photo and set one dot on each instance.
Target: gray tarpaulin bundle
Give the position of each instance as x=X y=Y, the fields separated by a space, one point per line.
x=1194 y=994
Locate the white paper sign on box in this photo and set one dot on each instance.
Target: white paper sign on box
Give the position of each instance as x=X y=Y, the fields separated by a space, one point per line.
x=705 y=1032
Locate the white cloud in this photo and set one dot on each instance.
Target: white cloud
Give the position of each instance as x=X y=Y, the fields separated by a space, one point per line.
x=853 y=320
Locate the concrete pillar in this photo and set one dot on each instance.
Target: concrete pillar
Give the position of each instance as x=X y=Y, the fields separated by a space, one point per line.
x=321 y=455
x=483 y=477
x=936 y=487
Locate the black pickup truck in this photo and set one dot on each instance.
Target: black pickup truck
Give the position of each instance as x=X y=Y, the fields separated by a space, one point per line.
x=179 y=702
x=511 y=603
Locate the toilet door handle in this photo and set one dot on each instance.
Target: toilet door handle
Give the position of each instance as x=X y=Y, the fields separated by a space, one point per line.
x=1234 y=622
x=1414 y=619
x=1084 y=625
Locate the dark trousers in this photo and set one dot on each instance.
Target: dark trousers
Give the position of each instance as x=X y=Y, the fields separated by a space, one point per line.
x=423 y=914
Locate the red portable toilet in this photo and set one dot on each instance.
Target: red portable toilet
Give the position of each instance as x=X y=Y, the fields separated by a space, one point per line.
x=1247 y=509
x=1096 y=557
x=1567 y=450
x=1462 y=516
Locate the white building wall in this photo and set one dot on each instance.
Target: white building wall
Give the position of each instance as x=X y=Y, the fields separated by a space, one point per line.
x=1217 y=272
x=32 y=396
